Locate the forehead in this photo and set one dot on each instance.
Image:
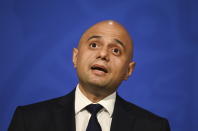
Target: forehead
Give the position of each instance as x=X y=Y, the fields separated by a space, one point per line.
x=108 y=30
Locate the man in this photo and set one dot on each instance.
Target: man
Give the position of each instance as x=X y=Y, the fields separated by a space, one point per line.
x=103 y=60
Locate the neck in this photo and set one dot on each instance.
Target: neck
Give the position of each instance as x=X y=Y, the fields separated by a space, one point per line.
x=93 y=94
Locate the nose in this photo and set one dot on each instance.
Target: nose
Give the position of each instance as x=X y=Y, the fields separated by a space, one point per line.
x=103 y=54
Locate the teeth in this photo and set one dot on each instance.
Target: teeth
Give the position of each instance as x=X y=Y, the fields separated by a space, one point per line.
x=99 y=68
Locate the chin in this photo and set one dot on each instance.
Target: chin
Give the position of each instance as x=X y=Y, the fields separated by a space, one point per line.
x=98 y=84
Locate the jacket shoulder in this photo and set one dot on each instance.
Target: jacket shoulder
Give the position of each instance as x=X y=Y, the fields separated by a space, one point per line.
x=46 y=104
x=138 y=111
x=49 y=104
x=39 y=116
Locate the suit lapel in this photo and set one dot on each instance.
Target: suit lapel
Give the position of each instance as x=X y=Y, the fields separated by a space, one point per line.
x=64 y=115
x=122 y=120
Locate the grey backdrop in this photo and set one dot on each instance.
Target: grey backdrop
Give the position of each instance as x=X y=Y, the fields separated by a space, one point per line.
x=37 y=37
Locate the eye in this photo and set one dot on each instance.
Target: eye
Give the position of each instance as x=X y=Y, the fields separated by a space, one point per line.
x=93 y=45
x=116 y=51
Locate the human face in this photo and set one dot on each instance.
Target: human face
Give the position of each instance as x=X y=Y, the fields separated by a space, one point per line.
x=103 y=57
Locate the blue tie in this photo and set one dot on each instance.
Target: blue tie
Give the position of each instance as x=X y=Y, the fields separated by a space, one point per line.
x=93 y=124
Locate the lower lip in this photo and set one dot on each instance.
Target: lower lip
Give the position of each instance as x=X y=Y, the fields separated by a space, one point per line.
x=98 y=72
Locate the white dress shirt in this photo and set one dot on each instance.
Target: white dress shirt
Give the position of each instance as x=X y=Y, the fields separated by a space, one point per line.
x=104 y=115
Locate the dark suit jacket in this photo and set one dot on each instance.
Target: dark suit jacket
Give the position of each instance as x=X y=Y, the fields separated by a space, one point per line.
x=58 y=115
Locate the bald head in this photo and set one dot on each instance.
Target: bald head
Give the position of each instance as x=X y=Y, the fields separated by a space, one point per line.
x=112 y=28
x=103 y=58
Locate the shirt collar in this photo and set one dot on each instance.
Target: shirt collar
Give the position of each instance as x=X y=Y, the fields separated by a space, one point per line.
x=81 y=101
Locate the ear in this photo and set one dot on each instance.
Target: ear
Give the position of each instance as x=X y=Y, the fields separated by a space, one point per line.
x=131 y=68
x=75 y=57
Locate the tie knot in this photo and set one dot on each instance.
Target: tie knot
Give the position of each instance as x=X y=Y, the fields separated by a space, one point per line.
x=93 y=108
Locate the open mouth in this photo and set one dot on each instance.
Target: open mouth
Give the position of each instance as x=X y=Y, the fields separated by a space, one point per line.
x=99 y=68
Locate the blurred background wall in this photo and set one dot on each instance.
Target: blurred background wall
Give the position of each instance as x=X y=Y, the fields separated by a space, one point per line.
x=37 y=38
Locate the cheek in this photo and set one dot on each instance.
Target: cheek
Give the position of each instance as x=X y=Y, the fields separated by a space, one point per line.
x=85 y=58
x=119 y=67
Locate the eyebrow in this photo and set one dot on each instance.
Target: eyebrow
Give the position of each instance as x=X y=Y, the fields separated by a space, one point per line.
x=94 y=36
x=116 y=40
x=119 y=42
